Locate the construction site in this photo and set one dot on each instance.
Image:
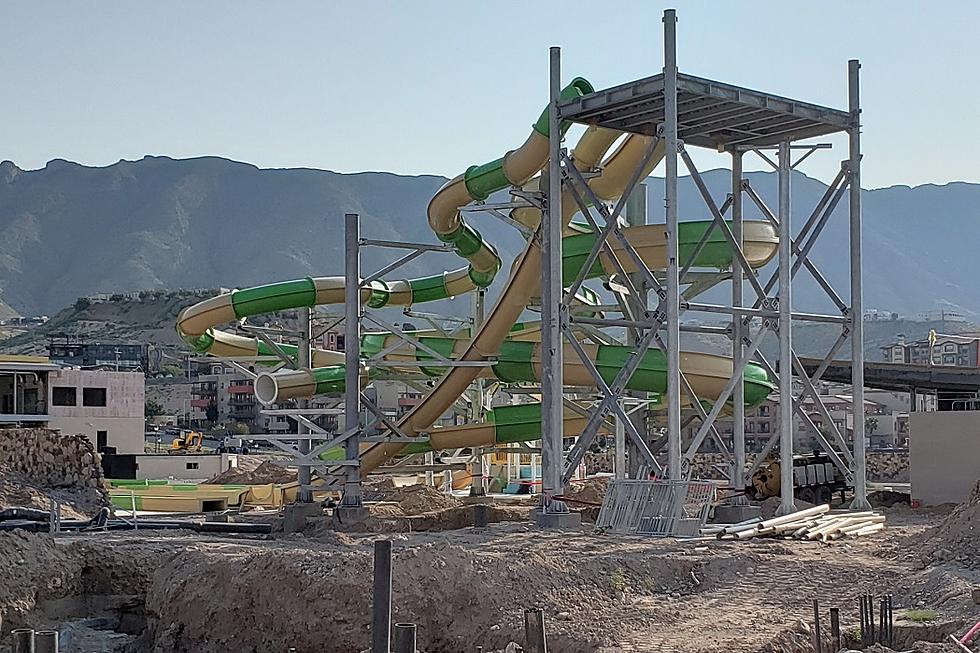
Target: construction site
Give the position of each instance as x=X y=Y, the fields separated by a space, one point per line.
x=549 y=490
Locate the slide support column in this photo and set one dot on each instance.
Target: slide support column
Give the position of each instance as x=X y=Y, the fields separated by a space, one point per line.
x=738 y=347
x=857 y=292
x=304 y=445
x=673 y=283
x=787 y=502
x=478 y=485
x=551 y=295
x=352 y=357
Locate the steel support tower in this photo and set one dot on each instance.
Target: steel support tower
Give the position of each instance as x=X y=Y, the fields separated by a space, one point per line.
x=684 y=111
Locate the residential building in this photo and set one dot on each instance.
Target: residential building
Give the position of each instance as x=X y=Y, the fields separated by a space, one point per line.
x=885 y=413
x=106 y=406
x=949 y=350
x=70 y=350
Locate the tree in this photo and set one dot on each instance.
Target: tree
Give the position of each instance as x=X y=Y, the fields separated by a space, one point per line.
x=239 y=428
x=152 y=409
x=870 y=424
x=211 y=412
x=82 y=303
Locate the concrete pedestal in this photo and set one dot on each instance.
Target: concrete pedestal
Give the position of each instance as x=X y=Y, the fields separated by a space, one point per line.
x=560 y=520
x=732 y=514
x=294 y=516
x=349 y=515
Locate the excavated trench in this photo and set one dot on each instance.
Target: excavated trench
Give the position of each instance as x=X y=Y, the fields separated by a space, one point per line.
x=183 y=592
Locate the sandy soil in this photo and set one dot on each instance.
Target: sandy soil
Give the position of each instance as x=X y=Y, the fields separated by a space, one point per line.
x=181 y=592
x=467 y=588
x=77 y=502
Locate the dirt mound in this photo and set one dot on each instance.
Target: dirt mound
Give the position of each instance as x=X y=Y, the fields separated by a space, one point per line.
x=77 y=502
x=461 y=598
x=586 y=496
x=412 y=499
x=957 y=538
x=250 y=472
x=35 y=568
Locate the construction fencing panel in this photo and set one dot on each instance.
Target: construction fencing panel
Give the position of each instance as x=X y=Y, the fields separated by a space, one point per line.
x=658 y=508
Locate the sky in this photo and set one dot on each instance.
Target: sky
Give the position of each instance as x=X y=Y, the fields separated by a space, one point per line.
x=427 y=87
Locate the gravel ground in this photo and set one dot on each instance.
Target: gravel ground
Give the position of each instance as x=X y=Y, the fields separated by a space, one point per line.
x=467 y=588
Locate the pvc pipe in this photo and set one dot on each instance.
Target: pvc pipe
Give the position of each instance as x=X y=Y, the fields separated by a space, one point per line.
x=22 y=640
x=966 y=639
x=46 y=641
x=744 y=535
x=868 y=530
x=405 y=638
x=741 y=526
x=795 y=516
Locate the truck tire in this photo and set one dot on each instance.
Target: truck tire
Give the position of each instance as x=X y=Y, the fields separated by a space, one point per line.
x=824 y=495
x=807 y=494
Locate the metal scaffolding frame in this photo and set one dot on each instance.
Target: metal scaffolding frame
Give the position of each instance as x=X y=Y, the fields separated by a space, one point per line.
x=681 y=111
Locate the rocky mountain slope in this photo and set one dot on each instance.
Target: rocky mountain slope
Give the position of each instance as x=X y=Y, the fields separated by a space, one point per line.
x=71 y=230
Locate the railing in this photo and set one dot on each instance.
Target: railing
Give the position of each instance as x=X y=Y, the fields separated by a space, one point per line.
x=657 y=508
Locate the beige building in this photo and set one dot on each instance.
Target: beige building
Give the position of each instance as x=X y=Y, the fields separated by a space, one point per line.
x=105 y=406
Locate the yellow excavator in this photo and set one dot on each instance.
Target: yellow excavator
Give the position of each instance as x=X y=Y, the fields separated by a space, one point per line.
x=187 y=442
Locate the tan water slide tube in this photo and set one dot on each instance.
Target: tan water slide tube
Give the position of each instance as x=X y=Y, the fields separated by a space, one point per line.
x=517 y=354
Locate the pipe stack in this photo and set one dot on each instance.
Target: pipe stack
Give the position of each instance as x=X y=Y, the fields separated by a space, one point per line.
x=815 y=523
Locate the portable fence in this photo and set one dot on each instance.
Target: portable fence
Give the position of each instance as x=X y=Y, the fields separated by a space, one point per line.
x=659 y=508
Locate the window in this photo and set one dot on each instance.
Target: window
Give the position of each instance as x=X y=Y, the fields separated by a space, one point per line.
x=949 y=347
x=764 y=410
x=63 y=396
x=93 y=396
x=763 y=427
x=101 y=440
x=192 y=465
x=750 y=427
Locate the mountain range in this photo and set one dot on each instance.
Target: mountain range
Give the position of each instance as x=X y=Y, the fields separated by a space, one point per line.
x=71 y=230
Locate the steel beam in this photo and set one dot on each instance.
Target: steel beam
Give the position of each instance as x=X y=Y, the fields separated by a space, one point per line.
x=352 y=357
x=787 y=502
x=857 y=292
x=304 y=444
x=673 y=277
x=478 y=486
x=552 y=417
x=738 y=359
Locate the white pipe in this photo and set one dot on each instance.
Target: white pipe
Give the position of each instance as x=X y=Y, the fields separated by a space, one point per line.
x=868 y=530
x=796 y=516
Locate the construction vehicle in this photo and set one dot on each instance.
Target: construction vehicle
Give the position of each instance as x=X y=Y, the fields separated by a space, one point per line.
x=815 y=479
x=233 y=445
x=187 y=442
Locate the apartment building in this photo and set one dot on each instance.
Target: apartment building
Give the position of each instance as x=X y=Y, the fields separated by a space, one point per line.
x=106 y=406
x=885 y=413
x=949 y=350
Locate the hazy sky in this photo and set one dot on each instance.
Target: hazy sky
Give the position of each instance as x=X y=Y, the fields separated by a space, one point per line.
x=432 y=87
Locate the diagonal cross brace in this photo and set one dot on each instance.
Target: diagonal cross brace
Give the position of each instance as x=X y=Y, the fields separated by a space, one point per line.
x=612 y=219
x=702 y=242
x=719 y=221
x=820 y=216
x=601 y=243
x=818 y=436
x=610 y=393
x=404 y=336
x=753 y=347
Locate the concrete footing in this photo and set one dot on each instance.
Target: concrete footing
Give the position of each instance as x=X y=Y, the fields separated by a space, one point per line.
x=732 y=514
x=560 y=520
x=349 y=515
x=294 y=516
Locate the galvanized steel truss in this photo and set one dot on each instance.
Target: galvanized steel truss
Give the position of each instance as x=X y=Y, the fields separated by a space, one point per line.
x=681 y=110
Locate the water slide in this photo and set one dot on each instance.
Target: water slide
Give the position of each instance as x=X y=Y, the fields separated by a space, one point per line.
x=501 y=337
